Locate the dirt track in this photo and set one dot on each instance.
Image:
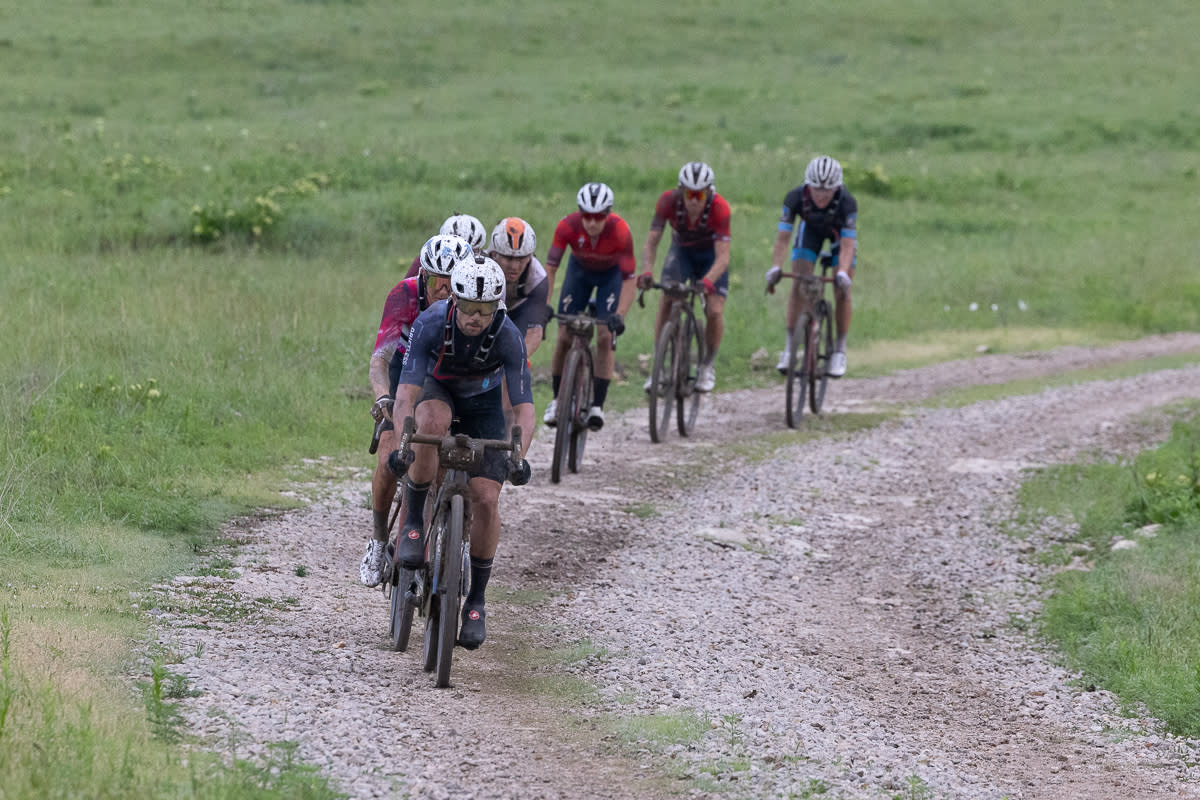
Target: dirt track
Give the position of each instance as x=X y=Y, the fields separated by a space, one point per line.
x=839 y=614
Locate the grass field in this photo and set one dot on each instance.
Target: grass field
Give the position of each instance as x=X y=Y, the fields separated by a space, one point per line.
x=204 y=205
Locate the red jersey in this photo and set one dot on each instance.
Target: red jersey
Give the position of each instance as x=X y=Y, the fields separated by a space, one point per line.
x=712 y=225
x=614 y=246
x=402 y=306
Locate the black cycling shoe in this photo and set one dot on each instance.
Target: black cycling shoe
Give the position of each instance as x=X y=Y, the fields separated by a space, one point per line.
x=410 y=548
x=473 y=631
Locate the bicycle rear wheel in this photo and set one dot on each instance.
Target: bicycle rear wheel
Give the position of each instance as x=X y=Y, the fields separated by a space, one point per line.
x=579 y=430
x=818 y=381
x=797 y=378
x=662 y=382
x=568 y=407
x=691 y=355
x=402 y=607
x=450 y=589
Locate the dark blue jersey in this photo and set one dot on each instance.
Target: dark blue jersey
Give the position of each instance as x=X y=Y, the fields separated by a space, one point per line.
x=836 y=220
x=466 y=365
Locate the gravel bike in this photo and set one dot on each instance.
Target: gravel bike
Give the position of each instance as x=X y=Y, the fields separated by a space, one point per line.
x=574 y=394
x=810 y=345
x=436 y=590
x=678 y=354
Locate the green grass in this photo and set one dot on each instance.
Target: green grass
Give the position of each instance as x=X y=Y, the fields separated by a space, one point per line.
x=1129 y=623
x=158 y=377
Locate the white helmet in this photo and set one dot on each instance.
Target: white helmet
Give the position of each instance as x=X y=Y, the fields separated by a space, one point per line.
x=594 y=198
x=696 y=175
x=513 y=237
x=468 y=227
x=824 y=173
x=441 y=253
x=477 y=278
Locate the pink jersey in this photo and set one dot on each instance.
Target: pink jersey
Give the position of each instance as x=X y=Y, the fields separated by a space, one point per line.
x=402 y=306
x=614 y=245
x=712 y=224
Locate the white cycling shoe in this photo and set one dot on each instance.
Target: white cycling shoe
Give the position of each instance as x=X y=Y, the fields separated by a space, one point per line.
x=595 y=420
x=374 y=562
x=837 y=364
x=707 y=378
x=784 y=358
x=551 y=415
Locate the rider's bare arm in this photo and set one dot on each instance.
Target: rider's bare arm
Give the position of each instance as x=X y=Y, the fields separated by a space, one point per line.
x=523 y=415
x=533 y=339
x=721 y=261
x=378 y=375
x=780 y=254
x=650 y=248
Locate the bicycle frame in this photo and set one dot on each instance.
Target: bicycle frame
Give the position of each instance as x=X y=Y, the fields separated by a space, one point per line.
x=812 y=375
x=575 y=393
x=439 y=586
x=682 y=328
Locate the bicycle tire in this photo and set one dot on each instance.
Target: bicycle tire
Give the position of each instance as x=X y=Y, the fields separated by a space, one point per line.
x=431 y=636
x=818 y=382
x=433 y=556
x=567 y=403
x=687 y=399
x=580 y=430
x=797 y=380
x=450 y=589
x=402 y=607
x=662 y=382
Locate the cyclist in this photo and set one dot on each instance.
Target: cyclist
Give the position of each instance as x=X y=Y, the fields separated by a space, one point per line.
x=527 y=287
x=699 y=252
x=462 y=225
x=459 y=352
x=827 y=212
x=408 y=299
x=601 y=261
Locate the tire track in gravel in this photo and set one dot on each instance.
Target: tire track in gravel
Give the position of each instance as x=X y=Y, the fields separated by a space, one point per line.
x=864 y=629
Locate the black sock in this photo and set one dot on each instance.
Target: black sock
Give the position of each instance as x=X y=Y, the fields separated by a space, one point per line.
x=414 y=497
x=381 y=526
x=599 y=391
x=481 y=571
x=555 y=382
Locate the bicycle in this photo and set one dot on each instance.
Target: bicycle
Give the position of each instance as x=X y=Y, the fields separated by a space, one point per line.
x=810 y=345
x=678 y=352
x=436 y=590
x=574 y=394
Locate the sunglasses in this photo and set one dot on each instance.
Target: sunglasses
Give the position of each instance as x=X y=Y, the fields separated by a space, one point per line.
x=695 y=195
x=470 y=308
x=603 y=215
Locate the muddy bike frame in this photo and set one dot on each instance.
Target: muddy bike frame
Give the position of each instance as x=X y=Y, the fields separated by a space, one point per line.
x=810 y=344
x=436 y=590
x=574 y=393
x=678 y=351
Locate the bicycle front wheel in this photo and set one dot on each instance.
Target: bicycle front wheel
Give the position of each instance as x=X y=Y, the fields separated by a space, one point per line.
x=662 y=382
x=691 y=356
x=818 y=381
x=579 y=432
x=450 y=589
x=797 y=376
x=568 y=409
x=402 y=608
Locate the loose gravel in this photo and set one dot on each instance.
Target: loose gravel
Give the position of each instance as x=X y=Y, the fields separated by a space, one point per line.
x=839 y=614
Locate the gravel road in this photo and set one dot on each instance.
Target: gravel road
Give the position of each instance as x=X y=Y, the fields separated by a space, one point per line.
x=837 y=613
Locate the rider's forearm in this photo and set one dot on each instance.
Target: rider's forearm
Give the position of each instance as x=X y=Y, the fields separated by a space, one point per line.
x=378 y=375
x=628 y=295
x=406 y=400
x=650 y=250
x=780 y=253
x=846 y=256
x=523 y=415
x=720 y=262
